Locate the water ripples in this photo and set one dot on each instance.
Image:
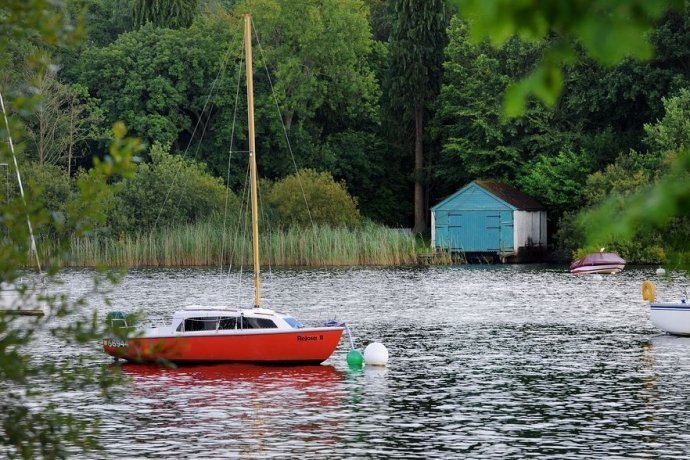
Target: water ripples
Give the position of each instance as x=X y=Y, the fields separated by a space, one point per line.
x=486 y=361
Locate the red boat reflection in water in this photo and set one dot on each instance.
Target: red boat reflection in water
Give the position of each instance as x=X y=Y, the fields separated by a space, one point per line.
x=263 y=402
x=229 y=373
x=205 y=385
x=258 y=397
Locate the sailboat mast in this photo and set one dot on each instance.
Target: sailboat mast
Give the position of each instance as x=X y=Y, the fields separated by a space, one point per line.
x=252 y=158
x=21 y=188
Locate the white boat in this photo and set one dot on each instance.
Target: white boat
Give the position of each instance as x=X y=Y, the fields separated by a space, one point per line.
x=598 y=262
x=670 y=317
x=673 y=318
x=208 y=334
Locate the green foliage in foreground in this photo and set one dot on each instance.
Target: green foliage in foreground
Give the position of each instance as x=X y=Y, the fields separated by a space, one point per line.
x=651 y=211
x=609 y=31
x=210 y=243
x=644 y=199
x=32 y=423
x=663 y=208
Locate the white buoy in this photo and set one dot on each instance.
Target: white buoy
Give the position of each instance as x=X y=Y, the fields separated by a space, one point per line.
x=660 y=271
x=375 y=354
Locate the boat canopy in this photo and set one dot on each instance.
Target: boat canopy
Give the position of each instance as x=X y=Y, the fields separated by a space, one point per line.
x=598 y=258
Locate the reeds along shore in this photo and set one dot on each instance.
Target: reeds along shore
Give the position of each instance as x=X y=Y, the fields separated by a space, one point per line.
x=206 y=244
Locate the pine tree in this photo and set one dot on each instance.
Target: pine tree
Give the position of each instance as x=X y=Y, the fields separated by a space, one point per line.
x=416 y=55
x=172 y=14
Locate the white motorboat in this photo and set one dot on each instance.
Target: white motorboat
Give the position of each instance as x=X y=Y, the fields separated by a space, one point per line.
x=670 y=317
x=598 y=262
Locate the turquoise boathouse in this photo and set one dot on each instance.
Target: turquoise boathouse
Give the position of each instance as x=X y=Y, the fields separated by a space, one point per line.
x=490 y=218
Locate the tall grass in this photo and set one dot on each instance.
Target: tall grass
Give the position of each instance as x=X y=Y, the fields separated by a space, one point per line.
x=206 y=244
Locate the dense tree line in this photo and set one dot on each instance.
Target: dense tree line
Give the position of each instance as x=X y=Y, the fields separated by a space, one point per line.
x=397 y=100
x=599 y=130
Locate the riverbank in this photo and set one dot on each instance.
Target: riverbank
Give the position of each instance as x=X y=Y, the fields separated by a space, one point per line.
x=208 y=244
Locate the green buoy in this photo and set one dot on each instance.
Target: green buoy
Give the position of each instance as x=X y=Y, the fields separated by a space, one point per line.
x=354 y=359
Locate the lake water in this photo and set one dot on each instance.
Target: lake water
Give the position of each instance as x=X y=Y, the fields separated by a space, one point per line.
x=485 y=361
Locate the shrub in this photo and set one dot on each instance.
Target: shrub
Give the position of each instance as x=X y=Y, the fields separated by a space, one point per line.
x=46 y=186
x=171 y=190
x=557 y=181
x=329 y=201
x=51 y=181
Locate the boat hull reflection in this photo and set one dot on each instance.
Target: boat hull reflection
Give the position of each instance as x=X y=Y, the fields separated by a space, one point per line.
x=209 y=385
x=231 y=372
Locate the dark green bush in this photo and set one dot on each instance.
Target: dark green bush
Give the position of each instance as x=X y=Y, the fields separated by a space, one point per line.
x=329 y=202
x=171 y=190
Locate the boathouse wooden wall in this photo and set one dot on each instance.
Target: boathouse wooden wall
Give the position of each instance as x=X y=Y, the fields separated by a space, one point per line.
x=488 y=217
x=530 y=228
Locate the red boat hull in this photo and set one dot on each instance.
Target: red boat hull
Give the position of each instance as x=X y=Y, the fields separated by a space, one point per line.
x=311 y=346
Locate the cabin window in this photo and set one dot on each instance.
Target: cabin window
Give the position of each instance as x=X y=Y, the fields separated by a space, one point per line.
x=257 y=323
x=229 y=322
x=293 y=322
x=200 y=324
